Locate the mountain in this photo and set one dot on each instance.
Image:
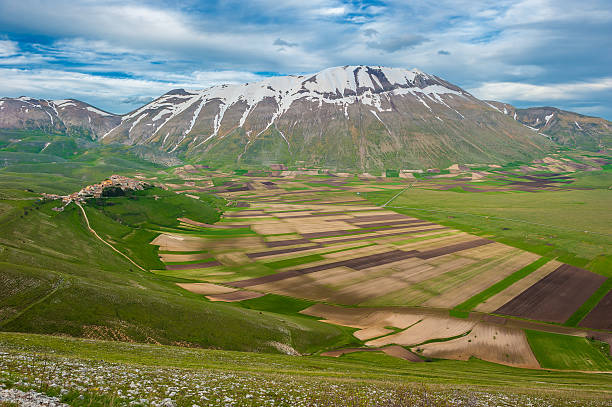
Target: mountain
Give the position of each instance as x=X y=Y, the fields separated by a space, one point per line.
x=351 y=117
x=68 y=116
x=566 y=128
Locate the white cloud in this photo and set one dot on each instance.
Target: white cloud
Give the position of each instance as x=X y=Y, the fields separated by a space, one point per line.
x=491 y=45
x=104 y=91
x=331 y=11
x=531 y=92
x=8 y=48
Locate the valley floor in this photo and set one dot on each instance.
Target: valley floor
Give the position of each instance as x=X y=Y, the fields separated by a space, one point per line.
x=437 y=290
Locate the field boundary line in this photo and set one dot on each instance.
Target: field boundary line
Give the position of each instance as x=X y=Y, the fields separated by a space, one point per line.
x=396 y=195
x=104 y=241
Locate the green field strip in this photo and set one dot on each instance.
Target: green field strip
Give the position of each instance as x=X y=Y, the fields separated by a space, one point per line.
x=585 y=308
x=450 y=338
x=240 y=219
x=295 y=261
x=498 y=287
x=222 y=233
x=557 y=351
x=205 y=260
x=182 y=252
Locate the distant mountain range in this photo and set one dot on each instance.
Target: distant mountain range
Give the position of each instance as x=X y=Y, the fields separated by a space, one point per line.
x=351 y=117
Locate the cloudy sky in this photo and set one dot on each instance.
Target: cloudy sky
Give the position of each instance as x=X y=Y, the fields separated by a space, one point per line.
x=120 y=54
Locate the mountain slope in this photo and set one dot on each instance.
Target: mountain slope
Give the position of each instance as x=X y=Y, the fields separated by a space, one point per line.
x=566 y=128
x=352 y=117
x=69 y=116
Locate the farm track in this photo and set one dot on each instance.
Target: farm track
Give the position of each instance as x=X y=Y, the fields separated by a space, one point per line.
x=104 y=241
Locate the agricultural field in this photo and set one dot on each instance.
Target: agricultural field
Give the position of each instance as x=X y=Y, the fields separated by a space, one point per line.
x=338 y=271
x=396 y=279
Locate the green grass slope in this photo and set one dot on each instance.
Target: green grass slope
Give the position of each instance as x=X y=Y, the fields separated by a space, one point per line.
x=57 y=278
x=557 y=351
x=123 y=372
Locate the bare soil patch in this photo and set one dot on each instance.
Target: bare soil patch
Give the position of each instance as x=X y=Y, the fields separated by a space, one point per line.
x=371 y=332
x=453 y=248
x=507 y=346
x=600 y=317
x=178 y=243
x=364 y=317
x=515 y=289
x=555 y=297
x=432 y=327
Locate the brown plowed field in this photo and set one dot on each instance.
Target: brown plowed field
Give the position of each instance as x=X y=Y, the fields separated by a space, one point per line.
x=515 y=289
x=290 y=242
x=282 y=251
x=600 y=317
x=431 y=327
x=453 y=248
x=507 y=346
x=372 y=332
x=364 y=317
x=555 y=297
x=358 y=263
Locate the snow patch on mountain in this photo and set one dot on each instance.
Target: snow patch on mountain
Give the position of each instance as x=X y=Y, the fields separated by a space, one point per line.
x=97 y=111
x=547 y=118
x=341 y=86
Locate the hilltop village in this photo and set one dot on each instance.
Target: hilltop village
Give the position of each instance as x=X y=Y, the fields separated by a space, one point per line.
x=96 y=190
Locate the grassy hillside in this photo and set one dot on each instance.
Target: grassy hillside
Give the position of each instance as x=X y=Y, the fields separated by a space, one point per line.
x=110 y=373
x=56 y=277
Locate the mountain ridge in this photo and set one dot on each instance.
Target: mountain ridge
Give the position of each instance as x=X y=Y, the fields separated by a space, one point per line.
x=349 y=117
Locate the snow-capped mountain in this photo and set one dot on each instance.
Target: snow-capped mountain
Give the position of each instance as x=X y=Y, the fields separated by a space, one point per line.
x=567 y=128
x=348 y=117
x=65 y=116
